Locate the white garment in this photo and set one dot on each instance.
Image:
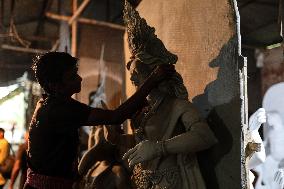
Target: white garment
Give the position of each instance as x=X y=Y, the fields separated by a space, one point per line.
x=251 y=179
x=267 y=172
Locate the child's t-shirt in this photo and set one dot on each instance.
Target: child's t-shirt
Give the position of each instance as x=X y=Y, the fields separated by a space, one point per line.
x=53 y=136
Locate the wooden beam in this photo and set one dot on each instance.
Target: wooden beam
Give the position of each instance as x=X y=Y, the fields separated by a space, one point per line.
x=74 y=30
x=85 y=21
x=23 y=49
x=78 y=11
x=6 y=35
x=57 y=16
x=101 y=23
x=73 y=22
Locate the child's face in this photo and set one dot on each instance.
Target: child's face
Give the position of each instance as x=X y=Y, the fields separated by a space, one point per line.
x=71 y=82
x=1 y=135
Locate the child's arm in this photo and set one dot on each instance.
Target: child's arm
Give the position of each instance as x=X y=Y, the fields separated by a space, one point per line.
x=135 y=102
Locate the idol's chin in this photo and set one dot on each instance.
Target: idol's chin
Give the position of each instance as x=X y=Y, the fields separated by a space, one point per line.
x=135 y=84
x=78 y=90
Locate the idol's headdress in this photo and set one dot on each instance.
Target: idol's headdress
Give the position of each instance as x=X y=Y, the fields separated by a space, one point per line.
x=143 y=43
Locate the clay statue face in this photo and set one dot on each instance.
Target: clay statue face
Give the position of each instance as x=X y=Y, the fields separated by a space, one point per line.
x=139 y=72
x=274 y=120
x=256 y=119
x=275 y=136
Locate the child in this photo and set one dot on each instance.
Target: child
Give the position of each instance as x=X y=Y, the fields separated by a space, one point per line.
x=53 y=133
x=4 y=152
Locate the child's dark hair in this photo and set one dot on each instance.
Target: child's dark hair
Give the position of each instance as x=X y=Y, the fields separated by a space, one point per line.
x=2 y=130
x=50 y=67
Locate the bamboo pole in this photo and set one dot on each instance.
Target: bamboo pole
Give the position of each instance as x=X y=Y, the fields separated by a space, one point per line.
x=74 y=30
x=23 y=49
x=78 y=11
x=6 y=35
x=85 y=21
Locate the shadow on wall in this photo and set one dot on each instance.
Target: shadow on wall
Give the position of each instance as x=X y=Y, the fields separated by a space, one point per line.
x=226 y=86
x=220 y=105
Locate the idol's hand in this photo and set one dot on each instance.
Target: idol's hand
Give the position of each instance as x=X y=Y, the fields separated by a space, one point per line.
x=279 y=177
x=256 y=119
x=144 y=151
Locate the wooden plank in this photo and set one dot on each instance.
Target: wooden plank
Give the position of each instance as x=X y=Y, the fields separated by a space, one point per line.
x=85 y=21
x=23 y=49
x=74 y=30
x=78 y=11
